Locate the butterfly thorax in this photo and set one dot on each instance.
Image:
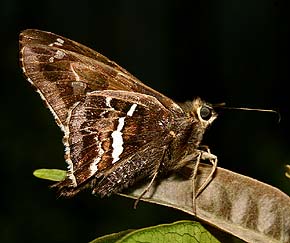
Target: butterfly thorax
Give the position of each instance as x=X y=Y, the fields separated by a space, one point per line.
x=190 y=129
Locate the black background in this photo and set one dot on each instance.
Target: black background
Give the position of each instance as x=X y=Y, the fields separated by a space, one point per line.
x=223 y=51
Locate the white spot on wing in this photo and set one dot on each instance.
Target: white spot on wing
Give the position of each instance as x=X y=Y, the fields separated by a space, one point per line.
x=118 y=140
x=132 y=109
x=58 y=42
x=108 y=101
x=77 y=77
x=117 y=135
x=94 y=165
x=70 y=172
x=59 y=54
x=108 y=105
x=22 y=62
x=30 y=81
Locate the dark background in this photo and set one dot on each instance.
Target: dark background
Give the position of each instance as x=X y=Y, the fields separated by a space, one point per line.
x=223 y=51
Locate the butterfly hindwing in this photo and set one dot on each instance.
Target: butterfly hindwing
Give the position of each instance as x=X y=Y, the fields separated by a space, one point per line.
x=109 y=128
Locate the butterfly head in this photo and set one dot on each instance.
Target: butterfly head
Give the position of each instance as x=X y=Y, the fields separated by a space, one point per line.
x=203 y=112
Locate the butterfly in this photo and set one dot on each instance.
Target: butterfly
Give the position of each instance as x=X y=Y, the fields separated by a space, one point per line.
x=117 y=130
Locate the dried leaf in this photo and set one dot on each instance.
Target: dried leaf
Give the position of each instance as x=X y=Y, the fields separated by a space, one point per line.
x=244 y=207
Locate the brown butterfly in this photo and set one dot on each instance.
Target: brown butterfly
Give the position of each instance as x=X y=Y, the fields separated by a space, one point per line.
x=116 y=129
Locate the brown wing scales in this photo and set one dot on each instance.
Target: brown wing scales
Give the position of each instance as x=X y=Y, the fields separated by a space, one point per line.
x=64 y=71
x=94 y=120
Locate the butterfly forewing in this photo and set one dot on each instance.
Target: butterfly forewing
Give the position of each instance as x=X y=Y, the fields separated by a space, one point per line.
x=64 y=71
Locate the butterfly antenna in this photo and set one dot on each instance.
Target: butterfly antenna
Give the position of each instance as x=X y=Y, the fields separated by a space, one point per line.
x=222 y=105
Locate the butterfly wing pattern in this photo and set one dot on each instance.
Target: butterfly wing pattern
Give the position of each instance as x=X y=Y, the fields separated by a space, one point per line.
x=116 y=129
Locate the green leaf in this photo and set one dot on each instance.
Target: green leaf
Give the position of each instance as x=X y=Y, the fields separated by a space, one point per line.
x=181 y=231
x=112 y=238
x=50 y=174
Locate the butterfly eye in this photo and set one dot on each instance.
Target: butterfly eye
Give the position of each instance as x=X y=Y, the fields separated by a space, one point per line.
x=205 y=113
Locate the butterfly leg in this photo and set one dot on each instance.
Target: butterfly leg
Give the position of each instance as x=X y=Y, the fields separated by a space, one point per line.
x=155 y=173
x=146 y=189
x=195 y=158
x=207 y=155
x=202 y=156
x=194 y=174
x=193 y=161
